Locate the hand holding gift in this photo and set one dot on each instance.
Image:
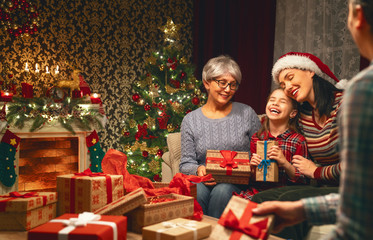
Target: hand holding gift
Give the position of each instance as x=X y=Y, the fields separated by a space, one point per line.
x=238 y=222
x=201 y=171
x=267 y=170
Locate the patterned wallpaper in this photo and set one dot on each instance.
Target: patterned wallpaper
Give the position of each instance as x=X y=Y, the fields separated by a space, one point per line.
x=108 y=40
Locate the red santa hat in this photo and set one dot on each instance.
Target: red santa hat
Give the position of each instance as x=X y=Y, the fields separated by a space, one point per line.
x=303 y=61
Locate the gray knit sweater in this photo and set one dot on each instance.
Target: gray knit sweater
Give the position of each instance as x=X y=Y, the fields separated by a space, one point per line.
x=199 y=134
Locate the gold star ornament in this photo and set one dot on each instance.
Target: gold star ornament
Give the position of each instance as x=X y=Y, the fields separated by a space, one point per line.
x=13 y=141
x=171 y=31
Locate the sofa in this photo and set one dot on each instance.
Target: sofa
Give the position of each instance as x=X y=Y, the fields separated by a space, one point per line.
x=170 y=166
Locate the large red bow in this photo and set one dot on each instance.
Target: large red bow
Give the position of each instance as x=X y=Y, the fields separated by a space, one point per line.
x=228 y=161
x=242 y=225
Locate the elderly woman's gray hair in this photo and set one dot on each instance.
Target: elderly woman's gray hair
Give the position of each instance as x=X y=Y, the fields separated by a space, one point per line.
x=221 y=65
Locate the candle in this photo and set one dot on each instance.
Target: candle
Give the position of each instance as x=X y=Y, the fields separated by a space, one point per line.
x=6 y=96
x=37 y=68
x=95 y=98
x=56 y=71
x=27 y=90
x=26 y=68
x=47 y=70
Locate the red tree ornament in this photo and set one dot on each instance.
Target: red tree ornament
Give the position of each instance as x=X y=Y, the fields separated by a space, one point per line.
x=145 y=154
x=195 y=100
x=147 y=107
x=160 y=153
x=136 y=97
x=182 y=75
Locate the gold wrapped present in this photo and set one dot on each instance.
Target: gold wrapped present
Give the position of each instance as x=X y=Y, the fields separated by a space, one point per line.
x=87 y=192
x=26 y=210
x=267 y=170
x=228 y=166
x=177 y=229
x=124 y=204
x=158 y=209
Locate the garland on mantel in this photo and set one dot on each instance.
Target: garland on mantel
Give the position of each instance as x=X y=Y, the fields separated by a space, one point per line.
x=39 y=111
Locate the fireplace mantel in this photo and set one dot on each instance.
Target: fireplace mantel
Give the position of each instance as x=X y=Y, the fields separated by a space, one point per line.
x=49 y=130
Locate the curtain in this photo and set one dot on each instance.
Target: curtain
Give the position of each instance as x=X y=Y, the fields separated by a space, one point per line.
x=245 y=31
x=318 y=27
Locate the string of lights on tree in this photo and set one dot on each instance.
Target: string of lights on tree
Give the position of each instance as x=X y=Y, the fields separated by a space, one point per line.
x=160 y=100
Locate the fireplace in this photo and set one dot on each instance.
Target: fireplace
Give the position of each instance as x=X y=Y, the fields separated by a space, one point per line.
x=41 y=160
x=44 y=154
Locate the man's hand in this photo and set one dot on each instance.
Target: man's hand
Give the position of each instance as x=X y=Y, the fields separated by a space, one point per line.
x=201 y=171
x=286 y=213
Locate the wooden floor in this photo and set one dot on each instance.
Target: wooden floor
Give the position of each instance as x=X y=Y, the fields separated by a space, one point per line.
x=4 y=235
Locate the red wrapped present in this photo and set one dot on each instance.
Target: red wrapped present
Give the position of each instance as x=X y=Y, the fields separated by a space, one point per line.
x=237 y=222
x=26 y=210
x=267 y=170
x=82 y=226
x=124 y=204
x=87 y=191
x=228 y=166
x=160 y=208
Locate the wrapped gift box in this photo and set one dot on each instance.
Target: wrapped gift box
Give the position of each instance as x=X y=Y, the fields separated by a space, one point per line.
x=267 y=170
x=241 y=209
x=85 y=226
x=228 y=166
x=124 y=204
x=82 y=193
x=193 y=187
x=156 y=210
x=177 y=229
x=27 y=210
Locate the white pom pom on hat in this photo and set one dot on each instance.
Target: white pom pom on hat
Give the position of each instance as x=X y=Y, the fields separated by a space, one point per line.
x=303 y=61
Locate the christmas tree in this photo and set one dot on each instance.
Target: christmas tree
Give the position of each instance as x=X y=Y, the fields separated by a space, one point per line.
x=160 y=100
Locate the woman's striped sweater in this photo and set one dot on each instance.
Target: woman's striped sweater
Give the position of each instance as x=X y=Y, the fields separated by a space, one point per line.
x=322 y=142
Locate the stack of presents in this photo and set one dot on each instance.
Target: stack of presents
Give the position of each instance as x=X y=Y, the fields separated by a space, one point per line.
x=104 y=205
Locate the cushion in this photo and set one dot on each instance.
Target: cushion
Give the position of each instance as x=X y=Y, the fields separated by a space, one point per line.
x=174 y=148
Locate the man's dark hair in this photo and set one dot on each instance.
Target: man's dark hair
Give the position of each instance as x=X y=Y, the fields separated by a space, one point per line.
x=367 y=6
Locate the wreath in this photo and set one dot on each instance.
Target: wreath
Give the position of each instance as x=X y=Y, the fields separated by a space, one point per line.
x=19 y=17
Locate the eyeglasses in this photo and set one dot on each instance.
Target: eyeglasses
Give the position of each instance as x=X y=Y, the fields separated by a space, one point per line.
x=224 y=84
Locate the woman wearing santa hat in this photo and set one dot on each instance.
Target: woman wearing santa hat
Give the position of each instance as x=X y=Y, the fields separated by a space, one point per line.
x=305 y=78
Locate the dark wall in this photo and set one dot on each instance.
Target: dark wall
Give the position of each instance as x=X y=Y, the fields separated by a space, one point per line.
x=108 y=40
x=244 y=30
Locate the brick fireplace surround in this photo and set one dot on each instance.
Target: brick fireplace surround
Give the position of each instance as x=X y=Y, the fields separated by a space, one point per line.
x=44 y=154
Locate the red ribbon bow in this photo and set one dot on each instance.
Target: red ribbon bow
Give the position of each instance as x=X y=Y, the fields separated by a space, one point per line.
x=26 y=195
x=89 y=173
x=142 y=132
x=228 y=161
x=15 y=195
x=242 y=225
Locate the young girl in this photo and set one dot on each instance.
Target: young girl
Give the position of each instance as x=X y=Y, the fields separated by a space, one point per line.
x=279 y=124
